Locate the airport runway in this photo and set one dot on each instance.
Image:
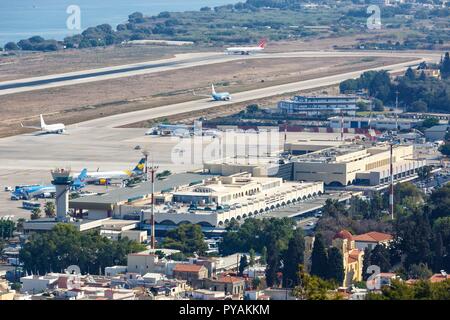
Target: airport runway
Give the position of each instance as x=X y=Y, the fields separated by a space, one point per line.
x=181 y=61
x=197 y=105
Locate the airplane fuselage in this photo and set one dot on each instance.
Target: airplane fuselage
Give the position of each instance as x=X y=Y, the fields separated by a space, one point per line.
x=54 y=128
x=225 y=96
x=244 y=50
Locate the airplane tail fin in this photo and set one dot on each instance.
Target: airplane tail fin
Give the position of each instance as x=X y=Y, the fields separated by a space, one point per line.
x=42 y=121
x=140 y=167
x=83 y=175
x=213 y=89
x=262 y=43
x=79 y=181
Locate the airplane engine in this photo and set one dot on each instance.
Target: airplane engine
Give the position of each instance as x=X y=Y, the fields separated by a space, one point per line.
x=103 y=182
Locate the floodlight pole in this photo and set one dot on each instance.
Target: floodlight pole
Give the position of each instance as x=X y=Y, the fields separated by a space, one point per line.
x=152 y=176
x=391 y=193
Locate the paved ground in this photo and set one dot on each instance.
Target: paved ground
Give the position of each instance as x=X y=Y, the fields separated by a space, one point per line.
x=28 y=158
x=306 y=206
x=181 y=61
x=137 y=116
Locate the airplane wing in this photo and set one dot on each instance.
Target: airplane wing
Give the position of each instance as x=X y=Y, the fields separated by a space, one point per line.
x=29 y=127
x=201 y=95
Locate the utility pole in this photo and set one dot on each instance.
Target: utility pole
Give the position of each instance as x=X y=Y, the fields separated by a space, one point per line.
x=396 y=110
x=285 y=132
x=152 y=170
x=146 y=153
x=391 y=193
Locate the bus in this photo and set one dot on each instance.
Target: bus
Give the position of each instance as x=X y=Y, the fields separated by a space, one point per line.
x=30 y=205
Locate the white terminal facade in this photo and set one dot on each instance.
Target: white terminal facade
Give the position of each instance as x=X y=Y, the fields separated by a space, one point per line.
x=237 y=188
x=357 y=164
x=219 y=200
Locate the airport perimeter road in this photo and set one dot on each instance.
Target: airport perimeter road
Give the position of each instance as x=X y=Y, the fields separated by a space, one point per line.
x=181 y=61
x=198 y=105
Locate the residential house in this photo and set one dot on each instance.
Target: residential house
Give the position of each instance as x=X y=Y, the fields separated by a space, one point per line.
x=371 y=240
x=192 y=273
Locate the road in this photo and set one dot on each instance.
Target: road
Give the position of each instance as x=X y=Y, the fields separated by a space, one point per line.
x=181 y=61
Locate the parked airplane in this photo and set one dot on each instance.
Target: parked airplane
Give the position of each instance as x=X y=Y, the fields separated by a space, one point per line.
x=48 y=128
x=46 y=191
x=247 y=50
x=104 y=178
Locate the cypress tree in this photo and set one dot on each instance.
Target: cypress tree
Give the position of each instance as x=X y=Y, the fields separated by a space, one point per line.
x=293 y=257
x=273 y=263
x=366 y=263
x=243 y=263
x=380 y=257
x=335 y=265
x=319 y=259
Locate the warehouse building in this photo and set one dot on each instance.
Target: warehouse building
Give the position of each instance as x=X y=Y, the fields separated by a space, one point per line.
x=379 y=123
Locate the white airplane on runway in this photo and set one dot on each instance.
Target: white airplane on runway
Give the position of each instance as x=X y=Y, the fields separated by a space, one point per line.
x=247 y=50
x=48 y=128
x=216 y=96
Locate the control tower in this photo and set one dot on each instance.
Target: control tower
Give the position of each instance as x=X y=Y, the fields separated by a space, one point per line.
x=62 y=180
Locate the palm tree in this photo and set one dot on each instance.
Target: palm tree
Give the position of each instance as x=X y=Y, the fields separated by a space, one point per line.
x=19 y=225
x=36 y=214
x=49 y=210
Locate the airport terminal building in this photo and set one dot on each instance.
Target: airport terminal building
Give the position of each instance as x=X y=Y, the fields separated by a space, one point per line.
x=357 y=164
x=320 y=105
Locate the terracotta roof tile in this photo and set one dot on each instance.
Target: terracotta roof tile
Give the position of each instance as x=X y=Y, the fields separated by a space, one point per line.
x=185 y=267
x=373 y=237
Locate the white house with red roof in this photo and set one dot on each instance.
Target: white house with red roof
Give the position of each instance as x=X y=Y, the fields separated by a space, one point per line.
x=371 y=240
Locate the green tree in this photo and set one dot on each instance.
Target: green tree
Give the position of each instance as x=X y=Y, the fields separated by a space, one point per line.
x=366 y=263
x=187 y=238
x=36 y=214
x=20 y=223
x=410 y=74
x=64 y=245
x=377 y=105
x=273 y=264
x=293 y=257
x=445 y=66
x=50 y=210
x=430 y=122
x=424 y=172
x=252 y=255
x=7 y=227
x=263 y=259
x=319 y=258
x=11 y=46
x=335 y=266
x=312 y=287
x=253 y=108
x=419 y=271
x=243 y=264
x=380 y=257
x=418 y=106
x=413 y=236
x=362 y=106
